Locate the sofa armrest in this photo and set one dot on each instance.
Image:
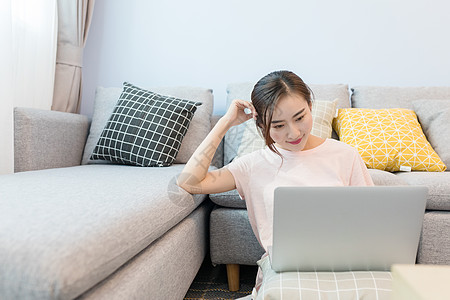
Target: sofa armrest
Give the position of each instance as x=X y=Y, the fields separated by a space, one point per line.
x=46 y=139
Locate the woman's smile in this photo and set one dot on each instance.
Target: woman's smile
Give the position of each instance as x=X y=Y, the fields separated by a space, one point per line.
x=296 y=141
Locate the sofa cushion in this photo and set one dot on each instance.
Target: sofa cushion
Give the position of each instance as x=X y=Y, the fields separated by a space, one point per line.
x=243 y=90
x=434 y=116
x=165 y=269
x=380 y=177
x=228 y=199
x=387 y=139
x=252 y=139
x=395 y=97
x=323 y=285
x=435 y=239
x=233 y=200
x=64 y=230
x=106 y=99
x=229 y=227
x=145 y=128
x=438 y=187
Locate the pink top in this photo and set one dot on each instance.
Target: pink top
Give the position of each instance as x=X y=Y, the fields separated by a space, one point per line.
x=332 y=163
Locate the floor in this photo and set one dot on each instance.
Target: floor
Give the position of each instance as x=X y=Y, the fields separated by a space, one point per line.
x=211 y=282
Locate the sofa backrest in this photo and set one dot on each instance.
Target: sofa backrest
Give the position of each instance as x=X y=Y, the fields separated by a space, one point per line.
x=376 y=97
x=394 y=97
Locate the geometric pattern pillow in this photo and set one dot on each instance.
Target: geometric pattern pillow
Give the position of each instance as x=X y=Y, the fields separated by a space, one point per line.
x=368 y=285
x=322 y=113
x=251 y=139
x=387 y=139
x=145 y=128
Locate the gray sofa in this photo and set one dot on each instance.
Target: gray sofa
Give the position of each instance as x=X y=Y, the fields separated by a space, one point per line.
x=232 y=241
x=75 y=228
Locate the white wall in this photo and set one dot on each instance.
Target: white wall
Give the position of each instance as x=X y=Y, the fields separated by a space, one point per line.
x=211 y=43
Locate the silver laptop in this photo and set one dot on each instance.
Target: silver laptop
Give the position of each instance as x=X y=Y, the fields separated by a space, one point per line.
x=346 y=228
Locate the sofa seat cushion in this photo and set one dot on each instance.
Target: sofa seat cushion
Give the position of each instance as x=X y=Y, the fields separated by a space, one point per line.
x=228 y=199
x=233 y=200
x=380 y=177
x=229 y=228
x=438 y=187
x=434 y=243
x=64 y=230
x=163 y=270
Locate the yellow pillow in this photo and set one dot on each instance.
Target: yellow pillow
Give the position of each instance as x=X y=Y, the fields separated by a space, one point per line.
x=387 y=139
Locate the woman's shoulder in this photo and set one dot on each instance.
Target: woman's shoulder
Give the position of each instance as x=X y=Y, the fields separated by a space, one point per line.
x=250 y=162
x=336 y=145
x=252 y=156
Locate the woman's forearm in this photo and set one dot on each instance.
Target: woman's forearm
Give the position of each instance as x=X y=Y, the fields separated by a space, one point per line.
x=197 y=166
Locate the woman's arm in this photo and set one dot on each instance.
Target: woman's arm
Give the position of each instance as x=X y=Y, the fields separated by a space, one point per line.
x=195 y=177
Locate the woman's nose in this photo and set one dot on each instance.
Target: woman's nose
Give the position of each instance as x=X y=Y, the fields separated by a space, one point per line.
x=293 y=132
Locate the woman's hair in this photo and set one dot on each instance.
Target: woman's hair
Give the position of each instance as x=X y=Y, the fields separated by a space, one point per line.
x=268 y=91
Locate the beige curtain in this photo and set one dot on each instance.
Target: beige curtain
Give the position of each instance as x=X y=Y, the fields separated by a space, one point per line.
x=74 y=18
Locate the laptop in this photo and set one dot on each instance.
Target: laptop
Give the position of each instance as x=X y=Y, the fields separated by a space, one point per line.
x=346 y=228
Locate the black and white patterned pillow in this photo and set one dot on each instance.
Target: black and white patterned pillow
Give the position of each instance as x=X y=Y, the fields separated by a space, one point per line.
x=145 y=128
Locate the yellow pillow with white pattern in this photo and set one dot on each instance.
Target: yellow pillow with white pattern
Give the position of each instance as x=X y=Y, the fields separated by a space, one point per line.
x=387 y=139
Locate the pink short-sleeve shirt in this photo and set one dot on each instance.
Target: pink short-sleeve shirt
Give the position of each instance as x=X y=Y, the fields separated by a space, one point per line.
x=257 y=174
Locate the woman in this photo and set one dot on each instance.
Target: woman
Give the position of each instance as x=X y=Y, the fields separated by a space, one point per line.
x=281 y=106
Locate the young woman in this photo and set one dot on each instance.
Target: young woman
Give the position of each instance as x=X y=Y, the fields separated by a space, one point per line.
x=281 y=106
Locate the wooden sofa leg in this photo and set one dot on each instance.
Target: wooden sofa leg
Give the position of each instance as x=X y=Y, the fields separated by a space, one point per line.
x=233 y=277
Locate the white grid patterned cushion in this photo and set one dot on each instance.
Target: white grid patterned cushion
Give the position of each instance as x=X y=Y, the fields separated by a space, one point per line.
x=145 y=128
x=367 y=285
x=322 y=112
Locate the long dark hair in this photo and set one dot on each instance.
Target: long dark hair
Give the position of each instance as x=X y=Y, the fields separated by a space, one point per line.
x=268 y=91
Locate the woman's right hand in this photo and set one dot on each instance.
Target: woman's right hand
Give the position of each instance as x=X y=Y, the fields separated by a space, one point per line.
x=236 y=112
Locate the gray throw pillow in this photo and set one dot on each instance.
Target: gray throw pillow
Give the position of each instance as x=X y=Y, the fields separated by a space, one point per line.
x=434 y=117
x=145 y=128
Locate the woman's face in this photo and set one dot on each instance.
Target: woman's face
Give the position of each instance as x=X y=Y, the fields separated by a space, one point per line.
x=291 y=123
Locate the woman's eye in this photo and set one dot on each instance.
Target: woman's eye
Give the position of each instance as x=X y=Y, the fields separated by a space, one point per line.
x=299 y=118
x=278 y=126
